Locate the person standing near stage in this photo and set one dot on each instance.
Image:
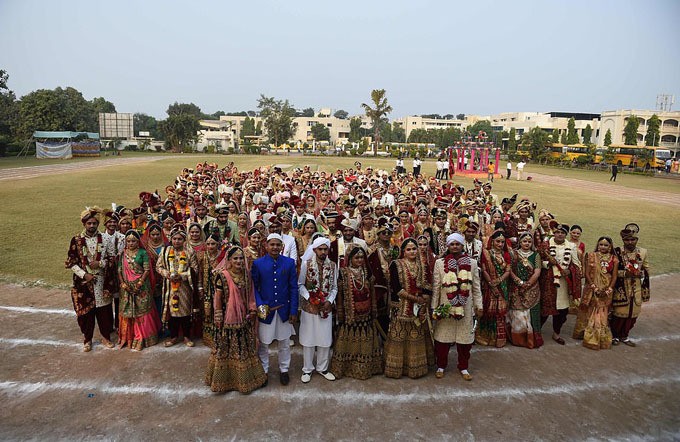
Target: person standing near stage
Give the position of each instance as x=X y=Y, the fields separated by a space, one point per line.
x=318 y=287
x=509 y=170
x=276 y=293
x=632 y=285
x=87 y=258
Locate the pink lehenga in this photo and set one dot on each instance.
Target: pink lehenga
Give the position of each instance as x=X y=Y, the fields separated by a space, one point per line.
x=138 y=316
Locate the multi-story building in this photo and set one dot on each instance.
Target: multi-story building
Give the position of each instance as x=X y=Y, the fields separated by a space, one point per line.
x=415 y=122
x=548 y=121
x=615 y=121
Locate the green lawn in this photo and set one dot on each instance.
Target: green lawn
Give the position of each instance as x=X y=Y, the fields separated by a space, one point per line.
x=31 y=160
x=41 y=214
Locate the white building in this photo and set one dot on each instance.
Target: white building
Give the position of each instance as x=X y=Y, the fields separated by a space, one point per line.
x=615 y=121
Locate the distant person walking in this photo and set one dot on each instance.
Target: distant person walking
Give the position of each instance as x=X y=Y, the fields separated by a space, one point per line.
x=509 y=170
x=615 y=171
x=445 y=169
x=520 y=169
x=669 y=163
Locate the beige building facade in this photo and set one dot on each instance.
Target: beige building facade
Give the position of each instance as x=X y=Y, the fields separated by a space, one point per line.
x=615 y=121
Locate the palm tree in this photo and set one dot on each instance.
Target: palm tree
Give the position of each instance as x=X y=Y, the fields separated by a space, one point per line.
x=380 y=109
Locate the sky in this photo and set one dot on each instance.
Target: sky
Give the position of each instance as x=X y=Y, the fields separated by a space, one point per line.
x=474 y=57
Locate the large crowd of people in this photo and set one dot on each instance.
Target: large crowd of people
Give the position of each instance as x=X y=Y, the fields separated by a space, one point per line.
x=375 y=272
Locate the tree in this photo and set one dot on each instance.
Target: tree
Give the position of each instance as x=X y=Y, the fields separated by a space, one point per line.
x=608 y=138
x=258 y=128
x=434 y=116
x=385 y=131
x=563 y=137
x=535 y=140
x=278 y=119
x=630 y=132
x=185 y=109
x=460 y=116
x=342 y=114
x=320 y=132
x=100 y=104
x=512 y=142
x=653 y=136
x=180 y=130
x=481 y=126
x=55 y=110
x=146 y=123
x=555 y=137
x=355 y=130
x=309 y=112
x=587 y=134
x=572 y=135
x=398 y=133
x=248 y=129
x=380 y=109
x=218 y=114
x=8 y=111
x=448 y=117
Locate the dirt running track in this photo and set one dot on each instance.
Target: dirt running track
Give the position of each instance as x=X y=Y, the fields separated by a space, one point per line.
x=51 y=390
x=23 y=173
x=612 y=190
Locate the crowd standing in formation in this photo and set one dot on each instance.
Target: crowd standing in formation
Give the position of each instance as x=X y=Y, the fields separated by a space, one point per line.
x=385 y=271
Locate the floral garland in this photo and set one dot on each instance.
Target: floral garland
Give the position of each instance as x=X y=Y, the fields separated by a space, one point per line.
x=98 y=253
x=456 y=285
x=632 y=266
x=174 y=271
x=318 y=291
x=557 y=267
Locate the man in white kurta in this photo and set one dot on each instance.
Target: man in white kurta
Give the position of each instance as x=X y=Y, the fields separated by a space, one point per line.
x=458 y=328
x=318 y=287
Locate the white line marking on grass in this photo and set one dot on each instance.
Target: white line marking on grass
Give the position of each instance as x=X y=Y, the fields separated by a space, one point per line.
x=348 y=397
x=49 y=311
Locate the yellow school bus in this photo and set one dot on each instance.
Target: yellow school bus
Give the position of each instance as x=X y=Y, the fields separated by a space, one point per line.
x=569 y=151
x=644 y=157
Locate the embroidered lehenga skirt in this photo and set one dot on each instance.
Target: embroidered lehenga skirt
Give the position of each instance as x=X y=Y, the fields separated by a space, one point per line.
x=233 y=363
x=408 y=350
x=356 y=353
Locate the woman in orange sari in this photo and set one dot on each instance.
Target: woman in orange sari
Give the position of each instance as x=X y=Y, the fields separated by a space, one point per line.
x=600 y=271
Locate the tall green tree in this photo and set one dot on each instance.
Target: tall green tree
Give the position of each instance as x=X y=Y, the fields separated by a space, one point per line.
x=555 y=137
x=630 y=132
x=398 y=133
x=536 y=140
x=376 y=112
x=9 y=111
x=100 y=104
x=483 y=126
x=608 y=138
x=180 y=130
x=146 y=123
x=278 y=119
x=653 y=134
x=460 y=116
x=587 y=134
x=355 y=130
x=248 y=129
x=572 y=135
x=185 y=109
x=563 y=137
x=320 y=132
x=512 y=139
x=55 y=110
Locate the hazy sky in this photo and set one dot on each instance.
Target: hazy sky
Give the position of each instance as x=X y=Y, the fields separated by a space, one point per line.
x=472 y=57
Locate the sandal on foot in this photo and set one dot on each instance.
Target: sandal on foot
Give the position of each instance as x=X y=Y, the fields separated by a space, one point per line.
x=439 y=374
x=559 y=340
x=170 y=342
x=466 y=375
x=87 y=346
x=189 y=343
x=628 y=342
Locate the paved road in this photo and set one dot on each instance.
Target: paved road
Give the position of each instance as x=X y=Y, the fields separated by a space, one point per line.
x=51 y=390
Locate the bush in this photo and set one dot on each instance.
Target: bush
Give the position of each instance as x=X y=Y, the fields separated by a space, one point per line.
x=353 y=152
x=210 y=148
x=131 y=148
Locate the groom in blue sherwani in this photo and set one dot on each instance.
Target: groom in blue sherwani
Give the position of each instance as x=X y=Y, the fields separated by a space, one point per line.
x=276 y=293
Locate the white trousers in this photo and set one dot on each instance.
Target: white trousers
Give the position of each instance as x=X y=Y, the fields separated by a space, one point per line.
x=322 y=354
x=284 y=355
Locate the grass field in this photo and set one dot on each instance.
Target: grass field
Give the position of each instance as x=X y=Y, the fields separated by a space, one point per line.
x=41 y=214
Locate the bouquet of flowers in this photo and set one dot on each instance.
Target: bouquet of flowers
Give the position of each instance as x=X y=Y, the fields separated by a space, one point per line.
x=317 y=298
